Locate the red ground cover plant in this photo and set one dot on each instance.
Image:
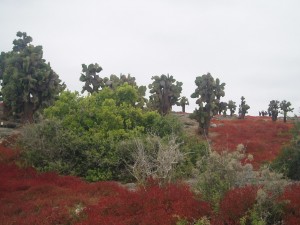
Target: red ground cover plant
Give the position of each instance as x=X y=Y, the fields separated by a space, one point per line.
x=235 y=205
x=29 y=197
x=292 y=209
x=149 y=205
x=261 y=137
x=8 y=155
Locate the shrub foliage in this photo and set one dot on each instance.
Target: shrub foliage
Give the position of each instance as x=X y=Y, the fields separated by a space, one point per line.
x=80 y=135
x=288 y=161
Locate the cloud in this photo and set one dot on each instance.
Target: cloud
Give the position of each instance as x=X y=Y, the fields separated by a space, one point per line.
x=252 y=46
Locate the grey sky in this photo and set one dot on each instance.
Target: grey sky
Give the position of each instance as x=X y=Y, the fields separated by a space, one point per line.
x=251 y=45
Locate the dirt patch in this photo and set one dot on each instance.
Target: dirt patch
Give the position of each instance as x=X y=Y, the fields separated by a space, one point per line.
x=190 y=126
x=5 y=133
x=213 y=134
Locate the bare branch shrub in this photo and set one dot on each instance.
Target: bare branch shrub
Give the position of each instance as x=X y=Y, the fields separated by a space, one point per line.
x=156 y=158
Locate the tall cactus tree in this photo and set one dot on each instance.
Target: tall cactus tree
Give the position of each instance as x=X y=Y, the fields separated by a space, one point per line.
x=222 y=107
x=232 y=107
x=285 y=107
x=92 y=81
x=206 y=93
x=183 y=102
x=114 y=82
x=274 y=109
x=243 y=108
x=165 y=92
x=28 y=82
x=219 y=91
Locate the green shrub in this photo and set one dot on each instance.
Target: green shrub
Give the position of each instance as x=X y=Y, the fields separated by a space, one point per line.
x=49 y=146
x=194 y=148
x=81 y=135
x=167 y=125
x=268 y=209
x=219 y=173
x=203 y=221
x=288 y=161
x=41 y=144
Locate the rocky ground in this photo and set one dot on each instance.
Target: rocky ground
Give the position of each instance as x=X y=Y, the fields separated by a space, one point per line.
x=8 y=129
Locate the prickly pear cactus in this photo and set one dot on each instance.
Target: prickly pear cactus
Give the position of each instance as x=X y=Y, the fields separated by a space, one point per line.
x=208 y=94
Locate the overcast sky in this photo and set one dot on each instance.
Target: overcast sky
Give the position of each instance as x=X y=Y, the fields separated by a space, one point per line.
x=251 y=45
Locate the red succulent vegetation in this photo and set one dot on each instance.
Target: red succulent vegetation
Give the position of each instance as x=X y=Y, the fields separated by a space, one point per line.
x=292 y=209
x=235 y=204
x=150 y=205
x=29 y=197
x=261 y=137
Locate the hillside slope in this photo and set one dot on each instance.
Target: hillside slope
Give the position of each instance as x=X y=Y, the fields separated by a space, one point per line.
x=261 y=137
x=29 y=197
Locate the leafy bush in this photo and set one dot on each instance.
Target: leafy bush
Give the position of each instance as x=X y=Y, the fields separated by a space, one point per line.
x=49 y=146
x=203 y=221
x=193 y=149
x=267 y=210
x=220 y=172
x=167 y=125
x=80 y=135
x=288 y=161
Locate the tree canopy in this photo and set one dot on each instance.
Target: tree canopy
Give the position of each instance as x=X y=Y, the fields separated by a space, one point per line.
x=115 y=82
x=183 y=101
x=94 y=83
x=274 y=109
x=89 y=75
x=232 y=107
x=165 y=92
x=208 y=94
x=285 y=106
x=28 y=82
x=243 y=108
